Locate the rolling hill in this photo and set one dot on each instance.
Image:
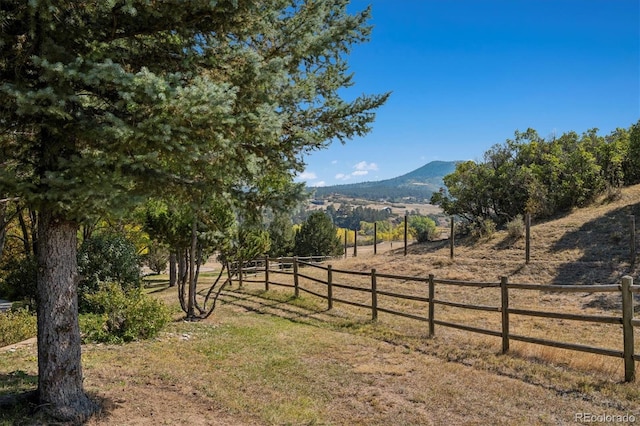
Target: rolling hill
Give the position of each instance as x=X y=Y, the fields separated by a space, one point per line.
x=417 y=185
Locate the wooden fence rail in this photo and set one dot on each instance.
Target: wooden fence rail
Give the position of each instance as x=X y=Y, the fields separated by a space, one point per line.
x=292 y=266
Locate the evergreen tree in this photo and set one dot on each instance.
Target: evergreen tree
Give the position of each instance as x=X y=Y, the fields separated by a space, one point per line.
x=107 y=103
x=281 y=235
x=317 y=237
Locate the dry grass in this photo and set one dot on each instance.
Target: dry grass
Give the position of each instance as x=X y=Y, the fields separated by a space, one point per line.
x=266 y=358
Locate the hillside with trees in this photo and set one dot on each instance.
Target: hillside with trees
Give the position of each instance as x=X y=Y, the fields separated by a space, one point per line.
x=541 y=177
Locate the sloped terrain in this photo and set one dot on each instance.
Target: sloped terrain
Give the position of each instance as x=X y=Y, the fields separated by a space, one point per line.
x=586 y=246
x=266 y=358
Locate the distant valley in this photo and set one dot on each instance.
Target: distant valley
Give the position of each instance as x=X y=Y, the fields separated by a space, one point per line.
x=415 y=186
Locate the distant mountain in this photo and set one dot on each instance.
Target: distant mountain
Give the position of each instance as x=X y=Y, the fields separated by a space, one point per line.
x=417 y=185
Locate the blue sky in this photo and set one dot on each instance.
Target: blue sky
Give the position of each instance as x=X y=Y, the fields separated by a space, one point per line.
x=466 y=74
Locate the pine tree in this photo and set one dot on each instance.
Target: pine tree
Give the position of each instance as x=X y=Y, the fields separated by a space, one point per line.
x=317 y=237
x=282 y=236
x=106 y=103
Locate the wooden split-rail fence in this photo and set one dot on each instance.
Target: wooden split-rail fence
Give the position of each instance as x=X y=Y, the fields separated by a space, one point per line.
x=248 y=273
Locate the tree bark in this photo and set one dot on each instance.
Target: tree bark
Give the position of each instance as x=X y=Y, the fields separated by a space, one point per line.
x=60 y=391
x=173 y=258
x=3 y=226
x=182 y=266
x=192 y=269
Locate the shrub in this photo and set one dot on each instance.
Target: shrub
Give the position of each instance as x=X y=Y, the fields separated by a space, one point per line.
x=484 y=228
x=119 y=316
x=516 y=228
x=106 y=258
x=20 y=281
x=423 y=228
x=16 y=326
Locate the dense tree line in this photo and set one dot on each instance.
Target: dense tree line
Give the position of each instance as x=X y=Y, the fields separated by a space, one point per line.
x=346 y=216
x=394 y=194
x=542 y=176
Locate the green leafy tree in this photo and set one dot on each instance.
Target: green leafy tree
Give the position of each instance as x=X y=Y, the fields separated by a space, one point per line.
x=105 y=104
x=468 y=191
x=192 y=235
x=423 y=228
x=317 y=237
x=529 y=174
x=611 y=154
x=632 y=163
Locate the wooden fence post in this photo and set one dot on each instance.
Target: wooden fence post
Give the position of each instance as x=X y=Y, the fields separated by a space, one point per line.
x=451 y=238
x=432 y=293
x=527 y=243
x=240 y=273
x=375 y=237
x=374 y=296
x=346 y=234
x=296 y=290
x=266 y=273
x=355 y=243
x=504 y=292
x=627 y=329
x=329 y=287
x=632 y=238
x=405 y=234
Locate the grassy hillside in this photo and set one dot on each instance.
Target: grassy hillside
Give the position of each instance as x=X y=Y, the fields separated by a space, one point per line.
x=270 y=359
x=586 y=246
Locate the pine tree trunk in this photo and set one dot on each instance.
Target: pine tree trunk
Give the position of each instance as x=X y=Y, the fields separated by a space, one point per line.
x=60 y=390
x=173 y=258
x=3 y=226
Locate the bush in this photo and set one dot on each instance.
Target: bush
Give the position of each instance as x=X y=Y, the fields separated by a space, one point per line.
x=484 y=228
x=119 y=316
x=423 y=228
x=16 y=326
x=516 y=228
x=106 y=258
x=20 y=281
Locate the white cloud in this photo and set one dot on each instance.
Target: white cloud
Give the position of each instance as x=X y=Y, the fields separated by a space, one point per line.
x=334 y=162
x=360 y=173
x=363 y=165
x=342 y=176
x=320 y=183
x=308 y=176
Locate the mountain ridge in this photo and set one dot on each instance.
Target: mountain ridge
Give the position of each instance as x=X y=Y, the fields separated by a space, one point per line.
x=417 y=185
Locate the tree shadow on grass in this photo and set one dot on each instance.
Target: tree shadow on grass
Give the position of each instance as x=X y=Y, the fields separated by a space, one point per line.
x=605 y=246
x=19 y=401
x=16 y=382
x=422 y=248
